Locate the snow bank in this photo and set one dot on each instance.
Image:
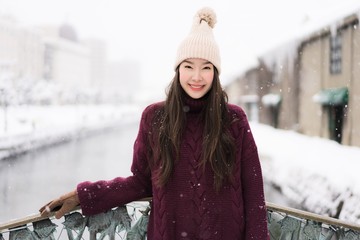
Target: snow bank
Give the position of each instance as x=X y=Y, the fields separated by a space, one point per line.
x=319 y=174
x=26 y=128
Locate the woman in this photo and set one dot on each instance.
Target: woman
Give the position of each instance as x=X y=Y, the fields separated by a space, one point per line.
x=194 y=155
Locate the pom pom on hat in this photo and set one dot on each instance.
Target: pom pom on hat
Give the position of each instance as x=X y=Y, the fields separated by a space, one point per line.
x=208 y=15
x=200 y=43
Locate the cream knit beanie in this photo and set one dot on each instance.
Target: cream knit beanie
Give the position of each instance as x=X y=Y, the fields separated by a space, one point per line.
x=200 y=43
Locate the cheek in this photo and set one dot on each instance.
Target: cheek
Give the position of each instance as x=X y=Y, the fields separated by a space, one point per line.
x=209 y=77
x=183 y=78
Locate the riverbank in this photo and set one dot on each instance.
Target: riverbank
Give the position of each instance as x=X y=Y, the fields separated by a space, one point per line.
x=26 y=128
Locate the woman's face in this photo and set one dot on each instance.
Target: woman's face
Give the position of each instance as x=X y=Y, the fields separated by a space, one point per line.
x=196 y=76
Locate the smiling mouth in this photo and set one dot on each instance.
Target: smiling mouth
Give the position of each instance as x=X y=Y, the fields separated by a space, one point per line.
x=196 y=87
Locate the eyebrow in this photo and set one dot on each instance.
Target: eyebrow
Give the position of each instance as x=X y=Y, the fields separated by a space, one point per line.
x=190 y=62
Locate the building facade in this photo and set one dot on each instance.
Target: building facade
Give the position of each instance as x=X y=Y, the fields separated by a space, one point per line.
x=310 y=85
x=21 y=51
x=330 y=90
x=49 y=64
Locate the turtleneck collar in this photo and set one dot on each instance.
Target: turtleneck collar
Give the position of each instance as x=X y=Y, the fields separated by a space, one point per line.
x=192 y=105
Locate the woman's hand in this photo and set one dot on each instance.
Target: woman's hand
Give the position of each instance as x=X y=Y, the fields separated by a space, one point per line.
x=66 y=203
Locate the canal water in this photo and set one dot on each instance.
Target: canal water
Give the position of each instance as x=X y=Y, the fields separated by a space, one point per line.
x=31 y=180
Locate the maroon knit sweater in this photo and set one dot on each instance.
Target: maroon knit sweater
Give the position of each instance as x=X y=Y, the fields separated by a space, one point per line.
x=188 y=207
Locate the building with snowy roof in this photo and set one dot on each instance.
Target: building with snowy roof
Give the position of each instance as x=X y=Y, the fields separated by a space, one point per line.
x=310 y=83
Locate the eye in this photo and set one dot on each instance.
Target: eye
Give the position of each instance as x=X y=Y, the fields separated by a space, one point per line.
x=188 y=66
x=208 y=67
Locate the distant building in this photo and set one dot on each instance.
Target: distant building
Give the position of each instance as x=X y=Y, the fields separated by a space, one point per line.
x=21 y=51
x=98 y=61
x=67 y=62
x=244 y=91
x=32 y=59
x=329 y=95
x=59 y=67
x=310 y=84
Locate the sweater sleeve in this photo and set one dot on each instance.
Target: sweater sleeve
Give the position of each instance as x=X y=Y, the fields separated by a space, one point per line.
x=252 y=186
x=100 y=196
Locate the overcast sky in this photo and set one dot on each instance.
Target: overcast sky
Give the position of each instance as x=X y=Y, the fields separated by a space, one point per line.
x=150 y=31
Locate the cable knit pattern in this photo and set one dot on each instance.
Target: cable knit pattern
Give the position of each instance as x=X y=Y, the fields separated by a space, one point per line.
x=188 y=207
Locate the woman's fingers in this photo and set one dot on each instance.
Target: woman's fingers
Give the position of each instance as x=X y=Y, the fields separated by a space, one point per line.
x=67 y=207
x=44 y=207
x=51 y=206
x=62 y=205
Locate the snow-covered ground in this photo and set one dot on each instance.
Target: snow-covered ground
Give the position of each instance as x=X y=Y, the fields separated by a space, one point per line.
x=319 y=174
x=24 y=128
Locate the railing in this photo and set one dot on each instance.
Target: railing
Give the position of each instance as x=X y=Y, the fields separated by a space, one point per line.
x=292 y=224
x=126 y=222
x=130 y=222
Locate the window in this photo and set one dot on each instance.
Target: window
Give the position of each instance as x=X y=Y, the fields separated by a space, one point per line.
x=335 y=54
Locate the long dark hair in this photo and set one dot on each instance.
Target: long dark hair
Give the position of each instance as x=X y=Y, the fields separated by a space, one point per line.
x=218 y=144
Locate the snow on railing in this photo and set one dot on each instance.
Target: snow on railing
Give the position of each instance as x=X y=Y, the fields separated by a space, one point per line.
x=130 y=222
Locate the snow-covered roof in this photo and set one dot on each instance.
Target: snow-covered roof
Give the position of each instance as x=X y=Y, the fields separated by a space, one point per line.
x=287 y=49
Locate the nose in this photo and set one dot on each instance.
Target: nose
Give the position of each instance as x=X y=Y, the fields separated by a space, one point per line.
x=197 y=75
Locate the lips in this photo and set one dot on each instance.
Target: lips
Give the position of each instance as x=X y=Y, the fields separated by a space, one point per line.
x=196 y=87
